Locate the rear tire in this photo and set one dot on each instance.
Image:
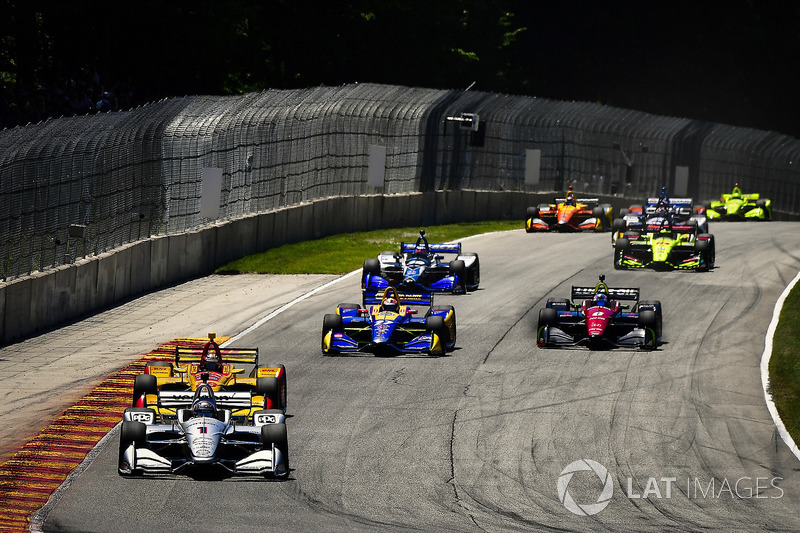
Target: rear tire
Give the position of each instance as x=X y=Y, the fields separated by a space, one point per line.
x=270 y=388
x=371 y=266
x=459 y=268
x=144 y=384
x=473 y=276
x=282 y=381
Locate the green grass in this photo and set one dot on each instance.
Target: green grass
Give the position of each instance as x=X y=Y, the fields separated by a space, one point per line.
x=339 y=254
x=784 y=365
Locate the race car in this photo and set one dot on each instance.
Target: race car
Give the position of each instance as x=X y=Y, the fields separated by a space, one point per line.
x=166 y=387
x=422 y=267
x=600 y=317
x=386 y=325
x=666 y=245
x=738 y=206
x=570 y=214
x=637 y=217
x=203 y=436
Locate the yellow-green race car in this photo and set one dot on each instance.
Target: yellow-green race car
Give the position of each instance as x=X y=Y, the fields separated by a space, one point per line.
x=738 y=206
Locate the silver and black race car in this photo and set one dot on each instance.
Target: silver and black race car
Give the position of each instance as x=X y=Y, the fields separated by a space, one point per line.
x=203 y=436
x=420 y=266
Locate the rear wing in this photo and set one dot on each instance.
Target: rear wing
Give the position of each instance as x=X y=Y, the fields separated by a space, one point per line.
x=614 y=293
x=579 y=200
x=672 y=201
x=443 y=248
x=374 y=297
x=186 y=354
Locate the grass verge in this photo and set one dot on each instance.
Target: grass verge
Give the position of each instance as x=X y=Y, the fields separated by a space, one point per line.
x=784 y=365
x=339 y=254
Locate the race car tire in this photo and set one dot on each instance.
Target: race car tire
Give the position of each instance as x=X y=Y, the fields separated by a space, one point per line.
x=282 y=382
x=620 y=247
x=600 y=215
x=144 y=384
x=371 y=266
x=436 y=325
x=276 y=434
x=473 y=277
x=532 y=212
x=459 y=268
x=330 y=322
x=704 y=246
x=619 y=224
x=648 y=322
x=270 y=387
x=450 y=339
x=624 y=212
x=655 y=306
x=558 y=303
x=131 y=432
x=548 y=316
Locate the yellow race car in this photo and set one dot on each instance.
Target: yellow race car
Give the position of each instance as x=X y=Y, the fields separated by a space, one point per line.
x=167 y=387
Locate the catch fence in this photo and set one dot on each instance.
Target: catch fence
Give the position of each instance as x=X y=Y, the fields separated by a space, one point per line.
x=80 y=186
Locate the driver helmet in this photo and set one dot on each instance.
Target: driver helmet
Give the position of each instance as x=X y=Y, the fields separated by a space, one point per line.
x=390 y=304
x=737 y=192
x=211 y=361
x=204 y=407
x=601 y=298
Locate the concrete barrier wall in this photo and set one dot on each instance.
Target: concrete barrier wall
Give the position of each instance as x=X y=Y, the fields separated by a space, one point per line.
x=46 y=300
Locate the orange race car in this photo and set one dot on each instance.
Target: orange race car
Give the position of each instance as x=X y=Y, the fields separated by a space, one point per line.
x=167 y=387
x=570 y=214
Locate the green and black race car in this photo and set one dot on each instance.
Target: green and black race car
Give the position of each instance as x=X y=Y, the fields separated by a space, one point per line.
x=665 y=245
x=738 y=206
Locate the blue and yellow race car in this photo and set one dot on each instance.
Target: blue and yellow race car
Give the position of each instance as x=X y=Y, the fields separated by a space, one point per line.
x=421 y=266
x=387 y=324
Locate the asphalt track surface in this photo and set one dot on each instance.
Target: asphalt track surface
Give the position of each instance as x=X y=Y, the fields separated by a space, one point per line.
x=478 y=440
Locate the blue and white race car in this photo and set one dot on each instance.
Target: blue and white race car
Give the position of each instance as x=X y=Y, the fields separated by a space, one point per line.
x=636 y=219
x=387 y=324
x=422 y=267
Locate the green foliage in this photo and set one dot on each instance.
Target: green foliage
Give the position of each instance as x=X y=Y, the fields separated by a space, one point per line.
x=339 y=254
x=784 y=365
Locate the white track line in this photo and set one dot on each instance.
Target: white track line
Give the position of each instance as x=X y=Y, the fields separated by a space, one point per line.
x=765 y=357
x=287 y=306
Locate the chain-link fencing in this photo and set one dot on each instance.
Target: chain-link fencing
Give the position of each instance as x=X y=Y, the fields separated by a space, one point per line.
x=81 y=186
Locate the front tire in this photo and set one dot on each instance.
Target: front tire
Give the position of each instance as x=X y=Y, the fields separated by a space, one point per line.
x=331 y=323
x=132 y=432
x=275 y=434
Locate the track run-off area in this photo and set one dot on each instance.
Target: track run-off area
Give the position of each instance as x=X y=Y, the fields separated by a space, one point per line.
x=501 y=435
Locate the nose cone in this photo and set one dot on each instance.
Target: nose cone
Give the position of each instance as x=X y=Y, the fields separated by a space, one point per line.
x=381 y=331
x=661 y=248
x=733 y=207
